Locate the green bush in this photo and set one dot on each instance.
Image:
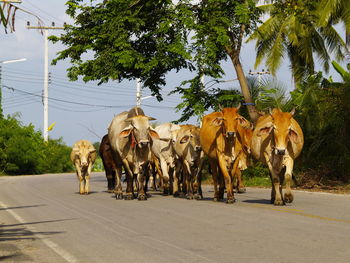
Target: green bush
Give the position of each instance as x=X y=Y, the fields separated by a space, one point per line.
x=23 y=151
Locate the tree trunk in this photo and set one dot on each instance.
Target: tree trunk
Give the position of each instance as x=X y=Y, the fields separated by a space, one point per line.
x=245 y=90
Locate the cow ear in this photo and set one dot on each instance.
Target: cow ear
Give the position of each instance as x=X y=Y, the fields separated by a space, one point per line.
x=151 y=118
x=265 y=130
x=153 y=133
x=217 y=121
x=244 y=122
x=126 y=132
x=293 y=136
x=75 y=149
x=184 y=139
x=292 y=111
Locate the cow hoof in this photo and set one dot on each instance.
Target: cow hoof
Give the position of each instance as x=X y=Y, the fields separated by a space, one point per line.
x=129 y=197
x=288 y=198
x=110 y=190
x=189 y=197
x=217 y=199
x=142 y=197
x=241 y=190
x=119 y=196
x=278 y=202
x=230 y=201
x=198 y=197
x=176 y=194
x=182 y=194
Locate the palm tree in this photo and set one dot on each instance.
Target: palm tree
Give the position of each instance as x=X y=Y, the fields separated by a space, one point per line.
x=334 y=11
x=293 y=30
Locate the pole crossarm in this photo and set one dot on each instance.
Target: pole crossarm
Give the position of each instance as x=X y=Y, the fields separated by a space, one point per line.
x=45 y=27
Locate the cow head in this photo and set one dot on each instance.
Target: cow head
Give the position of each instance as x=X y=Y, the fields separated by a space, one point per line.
x=282 y=129
x=191 y=142
x=229 y=120
x=82 y=154
x=140 y=131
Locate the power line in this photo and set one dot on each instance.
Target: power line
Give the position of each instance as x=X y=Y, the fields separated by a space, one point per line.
x=66 y=101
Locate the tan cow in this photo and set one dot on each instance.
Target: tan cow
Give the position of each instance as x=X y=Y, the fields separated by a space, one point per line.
x=83 y=156
x=130 y=136
x=190 y=161
x=277 y=141
x=218 y=138
x=164 y=151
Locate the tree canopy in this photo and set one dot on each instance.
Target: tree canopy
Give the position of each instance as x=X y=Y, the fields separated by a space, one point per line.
x=128 y=39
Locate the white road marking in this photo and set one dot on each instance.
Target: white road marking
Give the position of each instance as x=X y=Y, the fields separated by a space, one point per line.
x=60 y=251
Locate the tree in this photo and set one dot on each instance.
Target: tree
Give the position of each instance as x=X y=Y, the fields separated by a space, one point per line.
x=8 y=15
x=130 y=39
x=294 y=30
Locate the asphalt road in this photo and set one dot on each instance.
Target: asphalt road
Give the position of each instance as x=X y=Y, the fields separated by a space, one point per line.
x=44 y=219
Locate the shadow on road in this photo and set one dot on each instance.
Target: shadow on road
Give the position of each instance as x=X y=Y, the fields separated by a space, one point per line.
x=19 y=207
x=257 y=201
x=19 y=232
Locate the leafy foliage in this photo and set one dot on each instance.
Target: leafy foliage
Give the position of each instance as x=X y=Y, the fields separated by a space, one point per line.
x=128 y=39
x=23 y=151
x=294 y=30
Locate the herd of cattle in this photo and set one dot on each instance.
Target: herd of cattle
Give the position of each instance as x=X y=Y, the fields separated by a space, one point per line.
x=173 y=155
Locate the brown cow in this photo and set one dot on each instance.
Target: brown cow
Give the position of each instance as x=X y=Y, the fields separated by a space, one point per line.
x=277 y=141
x=83 y=156
x=109 y=162
x=218 y=137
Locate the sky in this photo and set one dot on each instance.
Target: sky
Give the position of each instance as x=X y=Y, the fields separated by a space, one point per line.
x=82 y=110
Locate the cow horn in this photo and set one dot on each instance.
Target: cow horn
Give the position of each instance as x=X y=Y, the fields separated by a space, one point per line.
x=238 y=106
x=270 y=111
x=292 y=111
x=220 y=107
x=151 y=118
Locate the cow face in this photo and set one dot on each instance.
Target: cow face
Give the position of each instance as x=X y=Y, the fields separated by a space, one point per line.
x=190 y=141
x=140 y=131
x=229 y=122
x=82 y=155
x=282 y=129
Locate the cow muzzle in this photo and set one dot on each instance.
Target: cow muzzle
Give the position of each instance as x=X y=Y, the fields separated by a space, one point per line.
x=197 y=148
x=280 y=151
x=143 y=143
x=230 y=134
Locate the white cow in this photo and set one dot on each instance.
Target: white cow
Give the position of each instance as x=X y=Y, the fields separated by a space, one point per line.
x=83 y=156
x=130 y=136
x=165 y=153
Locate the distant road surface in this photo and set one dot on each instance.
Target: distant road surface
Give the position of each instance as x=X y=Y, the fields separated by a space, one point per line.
x=44 y=219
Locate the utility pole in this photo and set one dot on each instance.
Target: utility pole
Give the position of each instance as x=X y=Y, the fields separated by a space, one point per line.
x=138 y=92
x=259 y=73
x=45 y=29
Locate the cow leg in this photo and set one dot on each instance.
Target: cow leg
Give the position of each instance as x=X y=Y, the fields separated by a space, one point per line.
x=129 y=195
x=276 y=197
x=140 y=181
x=189 y=181
x=118 y=190
x=164 y=167
x=197 y=187
x=80 y=178
x=238 y=176
x=176 y=183
x=228 y=180
x=214 y=170
x=87 y=179
x=288 y=196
